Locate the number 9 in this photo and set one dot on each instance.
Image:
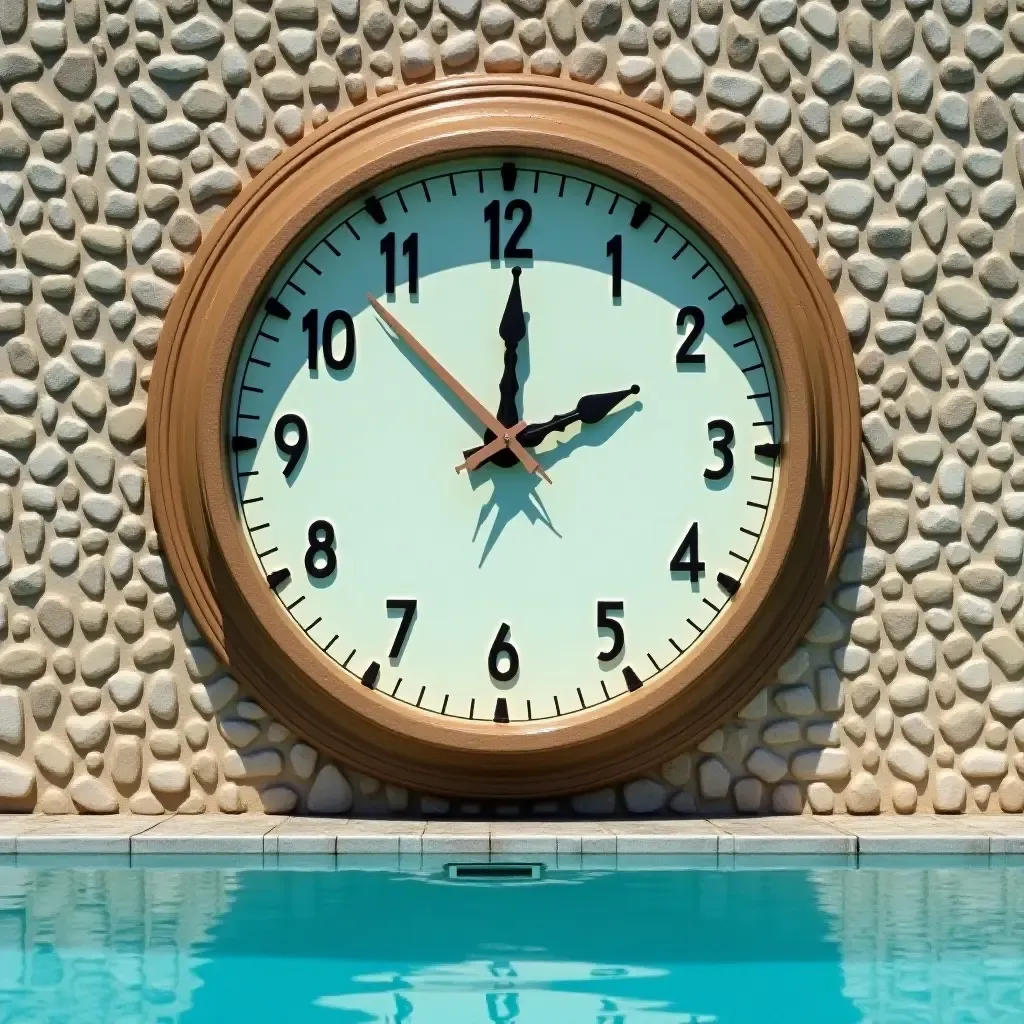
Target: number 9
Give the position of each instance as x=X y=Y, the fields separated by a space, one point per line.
x=294 y=450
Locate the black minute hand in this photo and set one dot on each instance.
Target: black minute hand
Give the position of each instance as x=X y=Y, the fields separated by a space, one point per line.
x=589 y=409
x=512 y=331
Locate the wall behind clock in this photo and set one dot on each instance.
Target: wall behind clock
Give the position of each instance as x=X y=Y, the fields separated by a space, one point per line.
x=889 y=132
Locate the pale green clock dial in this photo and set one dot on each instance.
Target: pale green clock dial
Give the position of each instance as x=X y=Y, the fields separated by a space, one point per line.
x=494 y=594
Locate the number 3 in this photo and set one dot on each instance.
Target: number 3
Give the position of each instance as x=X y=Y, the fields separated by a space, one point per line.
x=722 y=449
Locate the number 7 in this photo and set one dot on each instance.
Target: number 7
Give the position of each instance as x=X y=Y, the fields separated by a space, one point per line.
x=408 y=609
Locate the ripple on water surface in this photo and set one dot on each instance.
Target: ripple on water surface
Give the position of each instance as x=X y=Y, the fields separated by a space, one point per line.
x=902 y=945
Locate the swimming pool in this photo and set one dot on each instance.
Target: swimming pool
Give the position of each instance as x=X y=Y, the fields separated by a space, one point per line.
x=665 y=941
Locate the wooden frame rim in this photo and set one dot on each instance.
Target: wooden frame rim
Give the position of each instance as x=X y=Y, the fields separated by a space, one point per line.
x=192 y=492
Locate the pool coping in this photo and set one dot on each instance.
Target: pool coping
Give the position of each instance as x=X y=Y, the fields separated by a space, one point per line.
x=283 y=836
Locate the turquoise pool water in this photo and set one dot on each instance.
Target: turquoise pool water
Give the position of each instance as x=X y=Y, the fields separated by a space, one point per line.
x=914 y=941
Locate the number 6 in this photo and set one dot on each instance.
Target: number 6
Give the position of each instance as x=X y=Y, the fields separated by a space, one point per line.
x=501 y=646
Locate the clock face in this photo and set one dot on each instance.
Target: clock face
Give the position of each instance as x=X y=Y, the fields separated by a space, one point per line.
x=554 y=297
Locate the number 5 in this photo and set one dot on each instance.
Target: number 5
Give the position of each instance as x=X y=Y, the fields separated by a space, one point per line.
x=614 y=626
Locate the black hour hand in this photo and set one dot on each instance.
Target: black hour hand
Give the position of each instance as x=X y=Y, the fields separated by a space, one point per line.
x=589 y=409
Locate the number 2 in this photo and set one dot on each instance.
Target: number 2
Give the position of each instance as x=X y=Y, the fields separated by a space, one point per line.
x=685 y=354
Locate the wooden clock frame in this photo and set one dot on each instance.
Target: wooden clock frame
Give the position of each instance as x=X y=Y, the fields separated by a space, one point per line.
x=244 y=621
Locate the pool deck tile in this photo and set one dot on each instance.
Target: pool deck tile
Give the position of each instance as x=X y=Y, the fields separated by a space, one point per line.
x=300 y=836
x=364 y=836
x=206 y=833
x=457 y=837
x=1006 y=833
x=788 y=835
x=916 y=834
x=685 y=835
x=550 y=837
x=14 y=825
x=595 y=843
x=77 y=834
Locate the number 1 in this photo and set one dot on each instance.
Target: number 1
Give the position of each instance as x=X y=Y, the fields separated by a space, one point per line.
x=614 y=249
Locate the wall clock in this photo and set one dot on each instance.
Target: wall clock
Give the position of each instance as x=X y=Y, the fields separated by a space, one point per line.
x=503 y=436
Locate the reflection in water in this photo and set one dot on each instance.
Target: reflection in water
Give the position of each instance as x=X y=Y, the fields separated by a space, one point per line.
x=583 y=947
x=94 y=946
x=504 y=992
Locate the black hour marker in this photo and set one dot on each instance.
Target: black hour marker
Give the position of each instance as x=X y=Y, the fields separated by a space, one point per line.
x=275 y=307
x=728 y=583
x=508 y=176
x=738 y=312
x=375 y=209
x=371 y=675
x=240 y=443
x=640 y=214
x=501 y=711
x=632 y=679
x=277 y=577
x=769 y=451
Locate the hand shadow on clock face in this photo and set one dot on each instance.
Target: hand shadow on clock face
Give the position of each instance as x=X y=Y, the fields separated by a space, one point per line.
x=515 y=492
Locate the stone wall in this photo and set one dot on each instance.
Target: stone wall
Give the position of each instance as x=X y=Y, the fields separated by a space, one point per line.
x=890 y=133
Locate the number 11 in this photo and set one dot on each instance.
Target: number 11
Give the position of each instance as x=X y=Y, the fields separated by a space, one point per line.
x=411 y=250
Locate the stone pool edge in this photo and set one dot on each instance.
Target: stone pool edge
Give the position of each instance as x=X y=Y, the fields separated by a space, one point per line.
x=281 y=836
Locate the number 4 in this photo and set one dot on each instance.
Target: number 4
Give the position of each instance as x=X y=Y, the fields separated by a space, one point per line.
x=687 y=556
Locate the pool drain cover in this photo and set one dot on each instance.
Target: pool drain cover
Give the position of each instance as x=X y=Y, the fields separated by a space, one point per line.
x=494 y=872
